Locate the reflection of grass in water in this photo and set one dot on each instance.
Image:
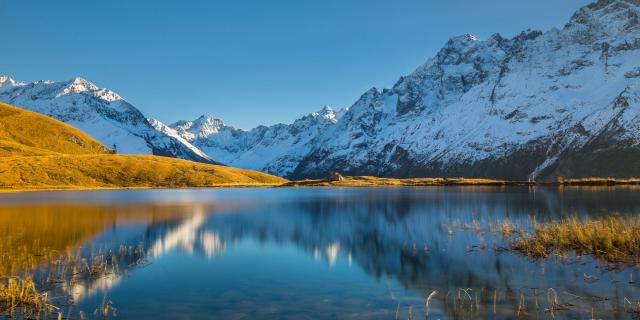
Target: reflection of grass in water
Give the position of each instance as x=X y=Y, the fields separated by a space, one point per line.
x=47 y=238
x=30 y=235
x=71 y=274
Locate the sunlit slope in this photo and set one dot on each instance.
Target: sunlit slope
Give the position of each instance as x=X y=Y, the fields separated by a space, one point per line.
x=113 y=171
x=24 y=132
x=37 y=152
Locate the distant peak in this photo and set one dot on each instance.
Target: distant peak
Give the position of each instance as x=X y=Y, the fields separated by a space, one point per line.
x=616 y=10
x=202 y=127
x=457 y=47
x=467 y=37
x=208 y=119
x=6 y=79
x=614 y=4
x=78 y=85
x=326 y=113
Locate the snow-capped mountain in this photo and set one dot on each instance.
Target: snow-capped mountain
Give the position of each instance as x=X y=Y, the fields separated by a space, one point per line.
x=279 y=148
x=562 y=102
x=101 y=113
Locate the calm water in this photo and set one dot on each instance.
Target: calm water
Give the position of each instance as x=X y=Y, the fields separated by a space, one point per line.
x=311 y=253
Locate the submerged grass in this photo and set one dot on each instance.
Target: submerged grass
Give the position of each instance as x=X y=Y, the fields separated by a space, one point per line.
x=20 y=298
x=612 y=239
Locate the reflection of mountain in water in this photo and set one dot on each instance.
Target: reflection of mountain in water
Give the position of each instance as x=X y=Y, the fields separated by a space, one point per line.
x=131 y=246
x=400 y=233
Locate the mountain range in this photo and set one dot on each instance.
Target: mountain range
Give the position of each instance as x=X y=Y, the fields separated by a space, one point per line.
x=565 y=102
x=99 y=112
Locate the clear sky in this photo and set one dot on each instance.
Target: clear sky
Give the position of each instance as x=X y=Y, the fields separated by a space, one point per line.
x=248 y=62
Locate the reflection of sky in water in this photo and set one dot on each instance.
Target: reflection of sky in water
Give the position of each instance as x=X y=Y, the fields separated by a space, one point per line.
x=334 y=253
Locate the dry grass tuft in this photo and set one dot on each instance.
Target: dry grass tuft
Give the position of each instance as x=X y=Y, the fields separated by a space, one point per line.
x=612 y=239
x=595 y=181
x=21 y=295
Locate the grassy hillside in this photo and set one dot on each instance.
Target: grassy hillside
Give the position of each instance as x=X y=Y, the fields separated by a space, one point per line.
x=120 y=171
x=24 y=132
x=37 y=152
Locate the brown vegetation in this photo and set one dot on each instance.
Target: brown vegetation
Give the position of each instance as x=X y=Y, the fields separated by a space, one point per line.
x=593 y=181
x=369 y=181
x=26 y=133
x=612 y=239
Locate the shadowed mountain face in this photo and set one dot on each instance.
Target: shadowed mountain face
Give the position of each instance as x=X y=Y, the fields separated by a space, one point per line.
x=561 y=102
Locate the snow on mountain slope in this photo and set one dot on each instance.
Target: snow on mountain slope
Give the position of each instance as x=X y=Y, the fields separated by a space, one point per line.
x=99 y=112
x=279 y=148
x=562 y=102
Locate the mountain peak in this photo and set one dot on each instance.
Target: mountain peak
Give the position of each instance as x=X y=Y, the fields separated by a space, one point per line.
x=78 y=85
x=202 y=127
x=610 y=16
x=6 y=79
x=462 y=40
x=208 y=121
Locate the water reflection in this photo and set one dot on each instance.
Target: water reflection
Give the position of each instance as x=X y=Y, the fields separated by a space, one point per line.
x=383 y=250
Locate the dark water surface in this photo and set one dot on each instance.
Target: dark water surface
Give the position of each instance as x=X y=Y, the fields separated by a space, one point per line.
x=311 y=253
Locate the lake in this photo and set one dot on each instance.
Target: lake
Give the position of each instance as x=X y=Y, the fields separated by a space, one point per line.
x=310 y=253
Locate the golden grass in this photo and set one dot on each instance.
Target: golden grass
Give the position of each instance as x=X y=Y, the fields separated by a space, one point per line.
x=21 y=294
x=369 y=181
x=24 y=132
x=594 y=181
x=37 y=152
x=612 y=239
x=121 y=171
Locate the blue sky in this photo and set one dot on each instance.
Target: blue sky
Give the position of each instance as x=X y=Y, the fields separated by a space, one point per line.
x=248 y=62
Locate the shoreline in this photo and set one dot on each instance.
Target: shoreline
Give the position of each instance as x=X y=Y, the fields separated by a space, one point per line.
x=360 y=182
x=80 y=188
